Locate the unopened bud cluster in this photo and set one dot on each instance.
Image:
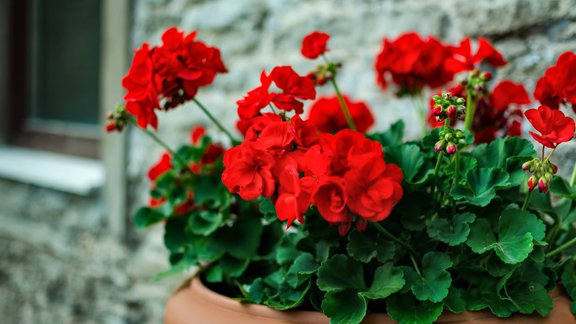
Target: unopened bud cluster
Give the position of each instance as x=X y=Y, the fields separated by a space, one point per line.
x=477 y=82
x=450 y=138
x=448 y=106
x=324 y=72
x=116 y=120
x=542 y=173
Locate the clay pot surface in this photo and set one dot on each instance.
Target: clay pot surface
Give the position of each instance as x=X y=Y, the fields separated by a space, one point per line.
x=196 y=304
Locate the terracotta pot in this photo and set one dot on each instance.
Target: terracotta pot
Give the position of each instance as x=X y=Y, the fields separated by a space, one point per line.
x=196 y=304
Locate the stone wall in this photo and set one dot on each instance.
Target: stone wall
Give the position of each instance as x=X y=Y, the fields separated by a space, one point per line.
x=60 y=265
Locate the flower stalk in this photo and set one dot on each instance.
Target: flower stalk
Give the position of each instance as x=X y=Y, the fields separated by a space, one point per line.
x=470 y=111
x=159 y=141
x=215 y=121
x=561 y=248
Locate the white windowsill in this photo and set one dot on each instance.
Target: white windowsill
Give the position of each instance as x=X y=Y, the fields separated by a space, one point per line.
x=60 y=172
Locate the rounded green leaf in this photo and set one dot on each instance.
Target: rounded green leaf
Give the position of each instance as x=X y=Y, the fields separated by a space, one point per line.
x=433 y=283
x=405 y=309
x=454 y=232
x=387 y=280
x=204 y=222
x=481 y=185
x=344 y=307
x=341 y=273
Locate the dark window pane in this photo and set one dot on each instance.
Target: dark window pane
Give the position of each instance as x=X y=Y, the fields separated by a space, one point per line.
x=65 y=60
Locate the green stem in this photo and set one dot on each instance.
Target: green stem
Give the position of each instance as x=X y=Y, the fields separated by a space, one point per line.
x=345 y=110
x=561 y=248
x=272 y=108
x=573 y=179
x=392 y=237
x=215 y=121
x=456 y=167
x=527 y=199
x=470 y=111
x=159 y=141
x=415 y=264
x=343 y=105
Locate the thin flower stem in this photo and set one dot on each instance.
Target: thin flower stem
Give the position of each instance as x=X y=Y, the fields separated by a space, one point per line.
x=415 y=264
x=272 y=108
x=345 y=110
x=456 y=167
x=573 y=179
x=561 y=248
x=527 y=199
x=392 y=237
x=159 y=141
x=215 y=121
x=549 y=155
x=470 y=111
x=343 y=105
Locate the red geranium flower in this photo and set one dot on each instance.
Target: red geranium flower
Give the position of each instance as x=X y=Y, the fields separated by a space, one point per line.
x=373 y=188
x=248 y=171
x=553 y=125
x=161 y=167
x=255 y=99
x=464 y=60
x=557 y=85
x=293 y=87
x=330 y=198
x=314 y=44
x=327 y=115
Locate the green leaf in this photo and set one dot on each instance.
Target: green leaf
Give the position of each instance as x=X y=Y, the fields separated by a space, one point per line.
x=241 y=239
x=393 y=136
x=530 y=298
x=232 y=267
x=184 y=264
x=268 y=210
x=481 y=185
x=304 y=264
x=387 y=280
x=498 y=152
x=343 y=307
x=408 y=157
x=214 y=274
x=506 y=153
x=146 y=216
x=341 y=273
x=175 y=236
x=569 y=281
x=517 y=230
x=206 y=189
x=481 y=237
x=286 y=252
x=204 y=222
x=365 y=246
x=455 y=301
x=405 y=309
x=561 y=188
x=434 y=282
x=451 y=233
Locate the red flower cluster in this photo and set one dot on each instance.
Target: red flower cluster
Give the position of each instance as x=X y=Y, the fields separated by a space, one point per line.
x=497 y=114
x=554 y=127
x=293 y=87
x=326 y=114
x=462 y=58
x=342 y=174
x=557 y=85
x=413 y=63
x=166 y=76
x=314 y=44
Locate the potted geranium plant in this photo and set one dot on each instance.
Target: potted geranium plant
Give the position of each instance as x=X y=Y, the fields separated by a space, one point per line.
x=311 y=215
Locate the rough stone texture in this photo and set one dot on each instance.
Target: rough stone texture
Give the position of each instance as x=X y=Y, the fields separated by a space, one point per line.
x=59 y=265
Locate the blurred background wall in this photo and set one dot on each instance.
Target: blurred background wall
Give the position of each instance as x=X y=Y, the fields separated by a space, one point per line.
x=68 y=252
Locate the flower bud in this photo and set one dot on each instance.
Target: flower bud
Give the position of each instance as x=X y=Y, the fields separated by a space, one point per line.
x=543 y=185
x=487 y=76
x=321 y=80
x=451 y=111
x=361 y=224
x=311 y=75
x=451 y=148
x=448 y=137
x=461 y=101
x=532 y=182
x=110 y=127
x=554 y=168
x=527 y=165
x=447 y=95
x=437 y=111
x=439 y=146
x=479 y=88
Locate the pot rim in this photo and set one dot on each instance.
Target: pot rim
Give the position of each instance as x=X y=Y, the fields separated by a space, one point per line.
x=259 y=310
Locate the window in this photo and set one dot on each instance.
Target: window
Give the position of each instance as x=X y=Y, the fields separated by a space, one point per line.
x=55 y=66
